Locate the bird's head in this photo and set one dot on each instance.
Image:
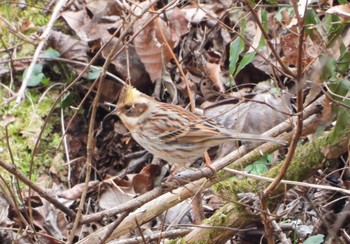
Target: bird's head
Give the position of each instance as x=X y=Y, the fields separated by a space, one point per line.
x=132 y=106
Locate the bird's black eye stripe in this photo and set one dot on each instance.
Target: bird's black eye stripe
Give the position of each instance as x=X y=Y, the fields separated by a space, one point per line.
x=135 y=109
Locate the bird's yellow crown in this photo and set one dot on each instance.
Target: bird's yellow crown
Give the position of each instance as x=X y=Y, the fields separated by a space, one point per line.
x=129 y=95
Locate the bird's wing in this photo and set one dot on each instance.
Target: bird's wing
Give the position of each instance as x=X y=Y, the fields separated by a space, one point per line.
x=165 y=125
x=175 y=124
x=201 y=131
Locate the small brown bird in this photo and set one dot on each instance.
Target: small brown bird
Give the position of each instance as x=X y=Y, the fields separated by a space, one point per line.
x=171 y=132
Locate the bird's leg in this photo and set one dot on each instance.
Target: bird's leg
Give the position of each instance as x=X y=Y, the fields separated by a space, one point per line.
x=208 y=162
x=171 y=181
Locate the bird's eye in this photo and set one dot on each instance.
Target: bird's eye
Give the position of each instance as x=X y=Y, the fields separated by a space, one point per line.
x=127 y=107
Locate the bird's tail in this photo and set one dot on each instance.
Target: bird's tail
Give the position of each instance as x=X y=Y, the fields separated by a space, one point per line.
x=253 y=137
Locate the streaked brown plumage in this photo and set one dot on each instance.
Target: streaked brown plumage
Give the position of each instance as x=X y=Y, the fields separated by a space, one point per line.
x=171 y=132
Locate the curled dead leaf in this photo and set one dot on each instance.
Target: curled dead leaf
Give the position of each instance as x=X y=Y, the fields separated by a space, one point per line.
x=213 y=71
x=340 y=10
x=144 y=181
x=150 y=44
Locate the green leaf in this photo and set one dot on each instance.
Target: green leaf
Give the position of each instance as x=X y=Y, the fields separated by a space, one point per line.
x=67 y=100
x=316 y=239
x=265 y=23
x=344 y=62
x=236 y=48
x=93 y=74
x=269 y=159
x=247 y=59
x=334 y=27
x=343 y=123
x=276 y=91
x=36 y=77
x=265 y=19
x=45 y=81
x=312 y=22
x=256 y=168
x=329 y=67
x=51 y=53
x=259 y=167
x=341 y=87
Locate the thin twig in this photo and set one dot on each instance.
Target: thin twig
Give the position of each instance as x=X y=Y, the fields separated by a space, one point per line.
x=16 y=32
x=66 y=148
x=289 y=182
x=297 y=132
x=43 y=39
x=299 y=120
x=268 y=40
x=187 y=82
x=90 y=143
x=44 y=194
x=90 y=148
x=114 y=225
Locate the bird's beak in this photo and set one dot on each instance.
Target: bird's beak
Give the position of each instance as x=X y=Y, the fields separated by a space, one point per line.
x=115 y=111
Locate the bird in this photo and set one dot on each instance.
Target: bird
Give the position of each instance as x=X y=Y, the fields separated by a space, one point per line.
x=171 y=132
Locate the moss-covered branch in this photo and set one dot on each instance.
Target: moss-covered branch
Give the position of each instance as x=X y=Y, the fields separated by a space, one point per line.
x=307 y=159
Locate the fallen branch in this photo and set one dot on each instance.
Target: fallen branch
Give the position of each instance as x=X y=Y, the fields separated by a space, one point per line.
x=307 y=159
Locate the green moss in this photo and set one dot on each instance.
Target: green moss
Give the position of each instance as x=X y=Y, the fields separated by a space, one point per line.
x=25 y=50
x=306 y=160
x=23 y=132
x=172 y=241
x=36 y=14
x=225 y=216
x=228 y=185
x=33 y=13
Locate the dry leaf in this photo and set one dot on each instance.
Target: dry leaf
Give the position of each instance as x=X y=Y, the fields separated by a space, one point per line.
x=208 y=90
x=213 y=71
x=149 y=44
x=95 y=6
x=114 y=196
x=327 y=112
x=75 y=19
x=69 y=47
x=179 y=214
x=144 y=181
x=138 y=74
x=75 y=192
x=289 y=45
x=250 y=117
x=341 y=10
